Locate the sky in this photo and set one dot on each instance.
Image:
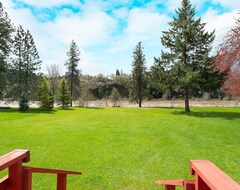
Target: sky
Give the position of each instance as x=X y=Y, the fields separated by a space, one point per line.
x=107 y=31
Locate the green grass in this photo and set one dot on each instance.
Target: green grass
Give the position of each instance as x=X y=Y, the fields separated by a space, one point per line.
x=123 y=148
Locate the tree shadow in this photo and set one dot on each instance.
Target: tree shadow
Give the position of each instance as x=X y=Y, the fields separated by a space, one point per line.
x=90 y=108
x=209 y=114
x=167 y=107
x=31 y=110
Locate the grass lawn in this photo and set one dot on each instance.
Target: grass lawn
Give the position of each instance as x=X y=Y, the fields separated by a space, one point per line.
x=123 y=148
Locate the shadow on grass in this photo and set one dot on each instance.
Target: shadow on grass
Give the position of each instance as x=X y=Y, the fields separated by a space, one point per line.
x=170 y=108
x=31 y=110
x=90 y=108
x=210 y=114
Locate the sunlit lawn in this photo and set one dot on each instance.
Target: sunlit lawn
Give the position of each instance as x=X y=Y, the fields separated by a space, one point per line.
x=123 y=148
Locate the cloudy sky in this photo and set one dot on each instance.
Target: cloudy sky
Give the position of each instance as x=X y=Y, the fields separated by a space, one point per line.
x=106 y=31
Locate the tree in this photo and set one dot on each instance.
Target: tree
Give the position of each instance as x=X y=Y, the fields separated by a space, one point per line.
x=6 y=30
x=23 y=103
x=115 y=96
x=117 y=72
x=53 y=77
x=45 y=97
x=228 y=61
x=73 y=73
x=138 y=75
x=26 y=65
x=188 y=47
x=63 y=94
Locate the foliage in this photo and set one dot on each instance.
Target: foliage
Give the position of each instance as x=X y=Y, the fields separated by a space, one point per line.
x=53 y=78
x=115 y=97
x=228 y=60
x=123 y=148
x=73 y=73
x=26 y=65
x=6 y=30
x=23 y=103
x=138 y=75
x=188 y=44
x=118 y=73
x=63 y=94
x=45 y=96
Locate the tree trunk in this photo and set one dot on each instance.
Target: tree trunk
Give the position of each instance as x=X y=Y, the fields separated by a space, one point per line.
x=140 y=103
x=187 y=109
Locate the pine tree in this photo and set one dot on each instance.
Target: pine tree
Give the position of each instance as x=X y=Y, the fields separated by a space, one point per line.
x=73 y=73
x=23 y=103
x=26 y=65
x=189 y=45
x=117 y=72
x=115 y=96
x=45 y=97
x=6 y=30
x=63 y=94
x=138 y=75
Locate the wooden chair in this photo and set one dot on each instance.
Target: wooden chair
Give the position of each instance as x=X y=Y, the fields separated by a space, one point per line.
x=20 y=177
x=207 y=177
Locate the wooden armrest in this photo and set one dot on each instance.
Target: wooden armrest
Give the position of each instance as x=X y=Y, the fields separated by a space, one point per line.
x=50 y=171
x=178 y=182
x=212 y=175
x=14 y=157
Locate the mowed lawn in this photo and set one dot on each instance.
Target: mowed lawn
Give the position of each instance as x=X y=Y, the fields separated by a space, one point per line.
x=123 y=148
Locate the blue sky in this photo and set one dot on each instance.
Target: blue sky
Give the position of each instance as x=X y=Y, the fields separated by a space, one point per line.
x=107 y=31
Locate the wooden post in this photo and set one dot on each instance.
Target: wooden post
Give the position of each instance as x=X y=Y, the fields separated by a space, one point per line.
x=189 y=185
x=200 y=184
x=61 y=181
x=170 y=187
x=27 y=179
x=15 y=176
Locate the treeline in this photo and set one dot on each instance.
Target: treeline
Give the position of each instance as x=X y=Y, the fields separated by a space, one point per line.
x=184 y=70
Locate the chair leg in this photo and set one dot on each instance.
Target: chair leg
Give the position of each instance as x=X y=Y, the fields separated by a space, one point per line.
x=61 y=182
x=169 y=187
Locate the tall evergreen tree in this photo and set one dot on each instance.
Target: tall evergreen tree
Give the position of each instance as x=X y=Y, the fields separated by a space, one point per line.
x=138 y=75
x=73 y=73
x=26 y=65
x=63 y=94
x=45 y=97
x=189 y=45
x=6 y=30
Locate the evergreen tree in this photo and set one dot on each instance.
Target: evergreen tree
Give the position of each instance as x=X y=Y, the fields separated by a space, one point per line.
x=45 y=97
x=23 y=103
x=73 y=73
x=115 y=96
x=26 y=63
x=63 y=94
x=138 y=75
x=117 y=72
x=189 y=45
x=6 y=30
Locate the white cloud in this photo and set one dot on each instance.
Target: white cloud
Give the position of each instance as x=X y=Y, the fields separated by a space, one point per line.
x=221 y=23
x=233 y=4
x=121 y=13
x=49 y=3
x=87 y=29
x=143 y=25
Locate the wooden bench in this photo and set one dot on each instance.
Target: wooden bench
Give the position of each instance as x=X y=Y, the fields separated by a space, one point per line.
x=20 y=177
x=207 y=177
